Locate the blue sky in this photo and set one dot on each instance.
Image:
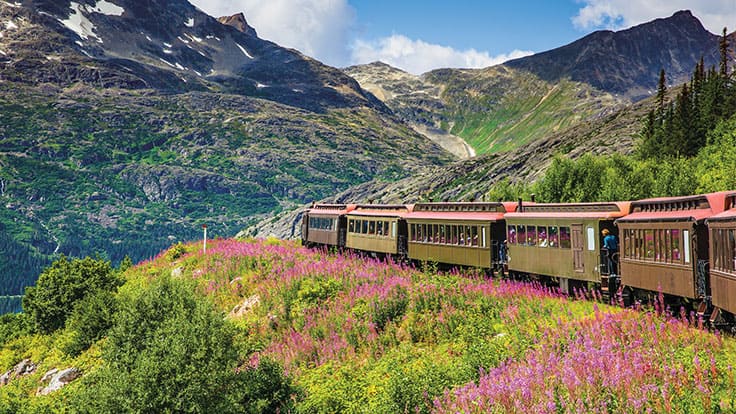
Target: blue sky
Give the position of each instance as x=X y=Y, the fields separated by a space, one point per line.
x=419 y=36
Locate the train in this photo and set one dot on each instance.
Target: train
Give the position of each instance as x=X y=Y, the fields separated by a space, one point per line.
x=680 y=248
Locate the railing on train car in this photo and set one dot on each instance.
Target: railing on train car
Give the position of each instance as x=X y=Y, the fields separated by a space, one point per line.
x=605 y=267
x=341 y=237
x=703 y=272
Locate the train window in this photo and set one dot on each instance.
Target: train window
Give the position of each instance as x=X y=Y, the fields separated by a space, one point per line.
x=379 y=228
x=483 y=236
x=554 y=240
x=371 y=227
x=468 y=237
x=531 y=235
x=453 y=235
x=668 y=246
x=442 y=234
x=542 y=236
x=565 y=242
x=591 y=238
x=393 y=229
x=686 y=245
x=351 y=226
x=649 y=244
x=412 y=232
x=521 y=235
x=511 y=236
x=364 y=227
x=435 y=233
x=385 y=228
x=474 y=231
x=425 y=232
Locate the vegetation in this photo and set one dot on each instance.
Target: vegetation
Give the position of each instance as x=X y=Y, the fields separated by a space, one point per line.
x=306 y=331
x=686 y=146
x=64 y=285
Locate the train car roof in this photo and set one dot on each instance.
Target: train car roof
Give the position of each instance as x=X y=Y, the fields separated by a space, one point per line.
x=730 y=212
x=685 y=208
x=330 y=209
x=382 y=210
x=606 y=210
x=474 y=211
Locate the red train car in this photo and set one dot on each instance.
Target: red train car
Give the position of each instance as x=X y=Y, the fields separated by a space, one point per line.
x=722 y=242
x=664 y=245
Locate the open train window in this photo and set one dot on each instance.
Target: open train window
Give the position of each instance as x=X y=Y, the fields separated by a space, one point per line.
x=531 y=235
x=511 y=235
x=364 y=227
x=554 y=238
x=351 y=226
x=542 y=236
x=565 y=242
x=521 y=235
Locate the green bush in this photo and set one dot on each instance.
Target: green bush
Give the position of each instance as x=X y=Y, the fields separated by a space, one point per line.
x=14 y=325
x=171 y=351
x=91 y=319
x=62 y=285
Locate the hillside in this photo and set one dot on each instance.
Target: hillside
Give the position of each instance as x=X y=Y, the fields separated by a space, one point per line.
x=125 y=138
x=471 y=179
x=532 y=98
x=264 y=326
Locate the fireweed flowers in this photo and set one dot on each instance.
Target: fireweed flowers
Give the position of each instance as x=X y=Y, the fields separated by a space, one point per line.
x=365 y=335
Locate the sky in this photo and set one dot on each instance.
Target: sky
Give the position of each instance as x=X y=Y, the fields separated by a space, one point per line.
x=419 y=36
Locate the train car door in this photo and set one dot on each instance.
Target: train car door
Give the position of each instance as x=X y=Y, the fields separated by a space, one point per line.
x=578 y=260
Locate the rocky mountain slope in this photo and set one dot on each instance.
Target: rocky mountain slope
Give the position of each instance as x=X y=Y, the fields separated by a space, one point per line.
x=126 y=124
x=524 y=100
x=471 y=179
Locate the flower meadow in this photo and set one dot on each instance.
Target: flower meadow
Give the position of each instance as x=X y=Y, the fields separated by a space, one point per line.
x=359 y=335
x=363 y=335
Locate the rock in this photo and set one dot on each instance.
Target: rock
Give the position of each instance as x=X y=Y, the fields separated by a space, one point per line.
x=59 y=380
x=47 y=376
x=20 y=369
x=245 y=307
x=176 y=272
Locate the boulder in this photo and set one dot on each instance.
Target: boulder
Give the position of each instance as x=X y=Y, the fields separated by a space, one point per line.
x=59 y=380
x=246 y=306
x=20 y=369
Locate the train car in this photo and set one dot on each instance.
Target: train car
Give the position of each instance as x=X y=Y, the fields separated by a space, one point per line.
x=326 y=225
x=378 y=228
x=465 y=234
x=562 y=241
x=722 y=241
x=664 y=245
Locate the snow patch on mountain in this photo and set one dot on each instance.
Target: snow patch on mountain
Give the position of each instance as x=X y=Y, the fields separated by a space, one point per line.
x=107 y=8
x=79 y=23
x=9 y=25
x=245 y=52
x=190 y=22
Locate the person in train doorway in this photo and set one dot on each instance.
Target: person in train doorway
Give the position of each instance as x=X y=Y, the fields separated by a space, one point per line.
x=610 y=243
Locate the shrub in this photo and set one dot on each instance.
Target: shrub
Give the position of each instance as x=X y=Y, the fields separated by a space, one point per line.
x=171 y=351
x=91 y=319
x=61 y=285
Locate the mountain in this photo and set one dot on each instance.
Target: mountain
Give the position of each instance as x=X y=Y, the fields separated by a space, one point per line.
x=511 y=105
x=127 y=124
x=627 y=62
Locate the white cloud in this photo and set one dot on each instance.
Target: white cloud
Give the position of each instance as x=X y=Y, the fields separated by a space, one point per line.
x=417 y=56
x=317 y=28
x=620 y=14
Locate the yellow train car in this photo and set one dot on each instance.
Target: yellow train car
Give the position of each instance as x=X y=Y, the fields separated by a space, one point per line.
x=326 y=225
x=465 y=234
x=562 y=240
x=378 y=228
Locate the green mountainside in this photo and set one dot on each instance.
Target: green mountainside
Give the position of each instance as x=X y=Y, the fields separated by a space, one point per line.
x=126 y=139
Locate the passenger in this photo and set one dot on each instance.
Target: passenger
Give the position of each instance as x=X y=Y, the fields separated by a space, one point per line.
x=502 y=251
x=610 y=244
